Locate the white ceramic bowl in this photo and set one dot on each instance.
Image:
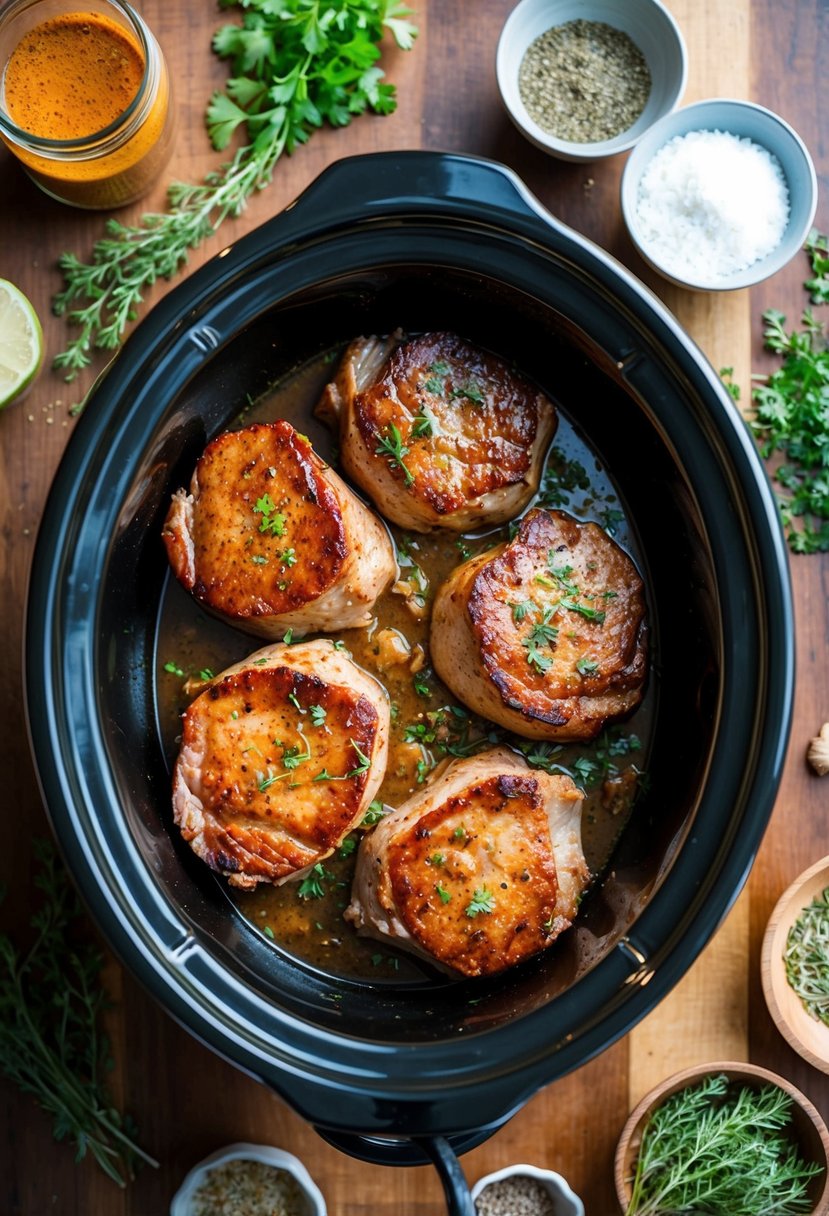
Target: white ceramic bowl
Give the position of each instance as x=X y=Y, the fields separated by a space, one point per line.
x=646 y=22
x=182 y=1202
x=749 y=121
x=567 y=1203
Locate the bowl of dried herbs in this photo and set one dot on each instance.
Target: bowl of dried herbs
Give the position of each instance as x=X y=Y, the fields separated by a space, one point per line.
x=585 y=79
x=795 y=965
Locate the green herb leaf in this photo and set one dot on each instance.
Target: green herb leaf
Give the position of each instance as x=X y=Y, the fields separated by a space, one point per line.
x=719 y=1148
x=792 y=414
x=374 y=814
x=295 y=65
x=51 y=1040
x=445 y=895
x=318 y=715
x=391 y=444
x=313 y=884
x=482 y=901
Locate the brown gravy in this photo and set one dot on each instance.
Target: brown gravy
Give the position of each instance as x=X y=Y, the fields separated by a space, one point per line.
x=425 y=718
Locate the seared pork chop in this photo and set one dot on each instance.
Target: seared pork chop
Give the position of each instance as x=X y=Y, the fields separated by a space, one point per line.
x=280 y=757
x=480 y=869
x=270 y=538
x=438 y=432
x=545 y=635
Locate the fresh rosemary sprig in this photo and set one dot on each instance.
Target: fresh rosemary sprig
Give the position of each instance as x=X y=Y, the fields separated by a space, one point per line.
x=807 y=957
x=296 y=64
x=721 y=1150
x=51 y=1045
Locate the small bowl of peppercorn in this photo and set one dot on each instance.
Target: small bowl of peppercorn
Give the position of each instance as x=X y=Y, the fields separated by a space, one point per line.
x=585 y=79
x=526 y=1190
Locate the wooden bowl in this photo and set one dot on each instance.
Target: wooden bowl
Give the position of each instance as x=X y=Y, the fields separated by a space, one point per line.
x=808 y=1036
x=809 y=1129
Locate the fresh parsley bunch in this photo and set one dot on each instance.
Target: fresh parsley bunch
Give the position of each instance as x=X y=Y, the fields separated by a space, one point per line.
x=51 y=1044
x=296 y=65
x=792 y=413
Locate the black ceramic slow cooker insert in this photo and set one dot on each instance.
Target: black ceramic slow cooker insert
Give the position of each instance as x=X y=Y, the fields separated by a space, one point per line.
x=424 y=241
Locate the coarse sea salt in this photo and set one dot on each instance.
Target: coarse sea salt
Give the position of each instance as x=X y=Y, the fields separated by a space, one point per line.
x=710 y=204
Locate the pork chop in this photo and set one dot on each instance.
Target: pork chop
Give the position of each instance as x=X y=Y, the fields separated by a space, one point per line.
x=280 y=757
x=480 y=869
x=438 y=432
x=270 y=538
x=546 y=634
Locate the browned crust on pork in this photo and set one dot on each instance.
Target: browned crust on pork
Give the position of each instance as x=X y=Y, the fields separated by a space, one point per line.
x=489 y=428
x=560 y=570
x=245 y=797
x=240 y=566
x=523 y=899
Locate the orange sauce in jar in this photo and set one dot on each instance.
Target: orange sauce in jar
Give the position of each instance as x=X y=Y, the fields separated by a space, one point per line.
x=87 y=101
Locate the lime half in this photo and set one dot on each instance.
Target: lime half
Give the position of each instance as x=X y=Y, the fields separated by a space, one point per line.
x=21 y=343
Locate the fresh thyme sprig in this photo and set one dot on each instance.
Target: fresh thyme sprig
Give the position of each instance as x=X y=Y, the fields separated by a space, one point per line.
x=296 y=64
x=51 y=1044
x=723 y=1151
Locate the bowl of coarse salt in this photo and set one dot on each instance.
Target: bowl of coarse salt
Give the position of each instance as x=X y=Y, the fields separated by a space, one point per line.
x=719 y=195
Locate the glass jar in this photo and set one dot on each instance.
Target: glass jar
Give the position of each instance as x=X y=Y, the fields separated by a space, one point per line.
x=116 y=82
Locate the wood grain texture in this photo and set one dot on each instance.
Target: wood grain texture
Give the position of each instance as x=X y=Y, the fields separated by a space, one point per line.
x=186 y=1101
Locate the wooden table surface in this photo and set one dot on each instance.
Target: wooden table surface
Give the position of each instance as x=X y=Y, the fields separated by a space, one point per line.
x=185 y=1100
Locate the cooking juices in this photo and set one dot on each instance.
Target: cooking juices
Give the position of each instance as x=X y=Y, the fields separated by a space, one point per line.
x=84 y=99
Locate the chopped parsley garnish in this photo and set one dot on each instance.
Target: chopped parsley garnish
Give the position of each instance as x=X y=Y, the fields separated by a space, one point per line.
x=482 y=901
x=318 y=715
x=422 y=426
x=591 y=614
x=534 y=656
x=268 y=931
x=587 y=667
x=348 y=846
x=433 y=385
x=266 y=780
x=272 y=521
x=470 y=391
x=437 y=859
x=374 y=814
x=294 y=699
x=174 y=669
x=519 y=611
x=288 y=637
x=610 y=519
x=445 y=896
x=292 y=757
x=562 y=478
x=460 y=832
x=365 y=762
x=313 y=884
x=289 y=557
x=440 y=368
x=391 y=445
x=259 y=560
x=463 y=549
x=420 y=686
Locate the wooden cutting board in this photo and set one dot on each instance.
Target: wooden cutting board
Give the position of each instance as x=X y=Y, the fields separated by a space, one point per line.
x=185 y=1100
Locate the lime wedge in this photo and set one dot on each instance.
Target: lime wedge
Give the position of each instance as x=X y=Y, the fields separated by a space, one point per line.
x=21 y=343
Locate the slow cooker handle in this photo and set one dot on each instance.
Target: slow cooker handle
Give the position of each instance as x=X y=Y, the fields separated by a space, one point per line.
x=381 y=1150
x=360 y=187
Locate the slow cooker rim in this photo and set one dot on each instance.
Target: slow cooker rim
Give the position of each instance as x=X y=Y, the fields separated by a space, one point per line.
x=205 y=284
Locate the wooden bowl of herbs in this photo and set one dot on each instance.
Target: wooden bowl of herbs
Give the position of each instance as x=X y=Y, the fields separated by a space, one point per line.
x=724 y=1138
x=795 y=965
